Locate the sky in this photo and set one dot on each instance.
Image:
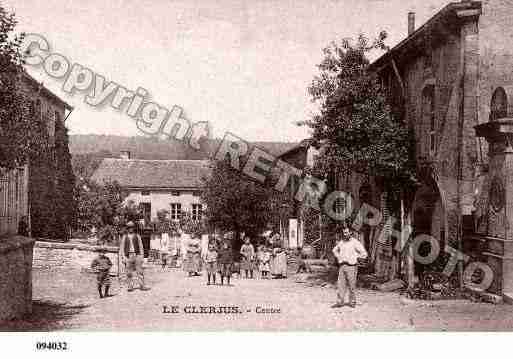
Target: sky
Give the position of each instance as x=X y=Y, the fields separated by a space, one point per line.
x=242 y=65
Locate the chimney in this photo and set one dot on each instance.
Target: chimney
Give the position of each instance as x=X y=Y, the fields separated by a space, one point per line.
x=125 y=155
x=411 y=23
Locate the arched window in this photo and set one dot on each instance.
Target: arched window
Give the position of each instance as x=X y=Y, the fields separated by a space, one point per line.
x=429 y=116
x=499 y=104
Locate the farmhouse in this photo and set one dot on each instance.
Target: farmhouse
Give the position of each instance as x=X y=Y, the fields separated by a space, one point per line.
x=155 y=185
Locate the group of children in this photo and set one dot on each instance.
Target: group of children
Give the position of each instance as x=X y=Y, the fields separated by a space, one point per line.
x=216 y=260
x=219 y=261
x=222 y=261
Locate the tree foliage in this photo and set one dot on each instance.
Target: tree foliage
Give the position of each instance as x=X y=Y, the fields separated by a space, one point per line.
x=101 y=205
x=25 y=138
x=237 y=203
x=164 y=224
x=356 y=125
x=14 y=119
x=65 y=204
x=84 y=164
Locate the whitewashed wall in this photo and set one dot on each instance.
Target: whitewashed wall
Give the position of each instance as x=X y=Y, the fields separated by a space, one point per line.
x=162 y=200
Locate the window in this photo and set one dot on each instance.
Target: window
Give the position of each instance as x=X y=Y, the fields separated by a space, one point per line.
x=145 y=193
x=428 y=112
x=197 y=211
x=176 y=211
x=175 y=193
x=196 y=193
x=499 y=104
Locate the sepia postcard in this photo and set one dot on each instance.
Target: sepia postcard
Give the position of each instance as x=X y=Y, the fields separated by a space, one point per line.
x=256 y=166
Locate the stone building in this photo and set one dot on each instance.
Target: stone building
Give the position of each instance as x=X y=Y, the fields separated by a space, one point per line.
x=15 y=204
x=155 y=185
x=448 y=78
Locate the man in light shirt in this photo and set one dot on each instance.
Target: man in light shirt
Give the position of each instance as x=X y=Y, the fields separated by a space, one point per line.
x=348 y=251
x=131 y=252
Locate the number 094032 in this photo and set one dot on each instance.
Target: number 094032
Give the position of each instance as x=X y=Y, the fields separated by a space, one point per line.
x=52 y=346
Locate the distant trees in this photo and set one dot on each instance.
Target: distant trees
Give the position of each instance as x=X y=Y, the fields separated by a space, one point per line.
x=84 y=164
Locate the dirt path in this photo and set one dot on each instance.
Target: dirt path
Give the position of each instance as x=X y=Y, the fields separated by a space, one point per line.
x=66 y=300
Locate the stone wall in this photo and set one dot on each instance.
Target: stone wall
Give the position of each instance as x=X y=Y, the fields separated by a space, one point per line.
x=49 y=255
x=496 y=52
x=15 y=277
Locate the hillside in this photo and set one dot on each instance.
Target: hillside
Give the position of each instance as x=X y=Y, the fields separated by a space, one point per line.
x=88 y=150
x=150 y=148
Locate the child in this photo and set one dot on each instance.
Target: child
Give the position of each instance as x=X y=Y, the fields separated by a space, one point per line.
x=102 y=265
x=265 y=261
x=248 y=256
x=211 y=263
x=225 y=261
x=302 y=264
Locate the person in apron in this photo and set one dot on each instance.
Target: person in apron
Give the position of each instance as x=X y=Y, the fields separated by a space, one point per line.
x=131 y=252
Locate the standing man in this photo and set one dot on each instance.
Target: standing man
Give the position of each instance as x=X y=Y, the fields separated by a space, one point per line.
x=348 y=251
x=131 y=252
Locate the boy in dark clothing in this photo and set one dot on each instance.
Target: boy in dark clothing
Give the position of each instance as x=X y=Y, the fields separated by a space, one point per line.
x=302 y=264
x=102 y=265
x=225 y=261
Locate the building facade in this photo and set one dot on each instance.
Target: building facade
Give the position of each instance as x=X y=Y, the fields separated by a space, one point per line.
x=447 y=80
x=15 y=201
x=156 y=185
x=16 y=204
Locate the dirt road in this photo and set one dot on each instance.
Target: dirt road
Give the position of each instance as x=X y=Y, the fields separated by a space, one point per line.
x=67 y=300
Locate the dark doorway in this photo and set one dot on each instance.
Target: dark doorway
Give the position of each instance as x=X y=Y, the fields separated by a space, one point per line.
x=428 y=219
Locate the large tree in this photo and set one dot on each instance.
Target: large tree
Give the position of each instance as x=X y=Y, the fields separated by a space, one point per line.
x=359 y=129
x=237 y=203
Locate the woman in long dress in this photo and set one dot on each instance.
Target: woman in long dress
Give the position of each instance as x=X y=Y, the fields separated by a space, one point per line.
x=193 y=257
x=279 y=261
x=248 y=258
